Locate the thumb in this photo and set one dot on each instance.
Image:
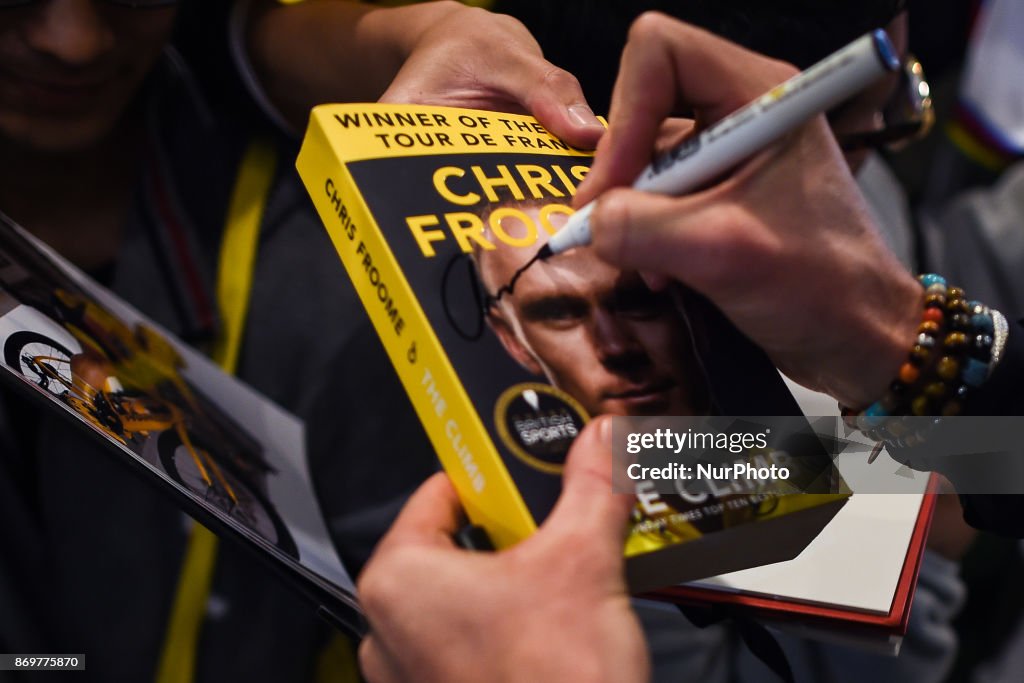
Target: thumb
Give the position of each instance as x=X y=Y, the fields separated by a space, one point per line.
x=588 y=508
x=555 y=98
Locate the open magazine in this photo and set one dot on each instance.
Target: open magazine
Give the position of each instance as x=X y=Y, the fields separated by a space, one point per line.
x=228 y=456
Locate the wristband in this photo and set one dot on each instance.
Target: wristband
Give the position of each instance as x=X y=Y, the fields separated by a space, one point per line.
x=958 y=344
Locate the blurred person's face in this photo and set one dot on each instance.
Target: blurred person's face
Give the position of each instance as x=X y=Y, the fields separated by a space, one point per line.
x=594 y=331
x=69 y=68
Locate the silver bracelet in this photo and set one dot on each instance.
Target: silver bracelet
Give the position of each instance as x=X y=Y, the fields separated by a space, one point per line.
x=1001 y=331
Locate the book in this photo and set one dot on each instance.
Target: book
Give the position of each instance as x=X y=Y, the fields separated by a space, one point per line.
x=854 y=583
x=226 y=455
x=435 y=213
x=830 y=592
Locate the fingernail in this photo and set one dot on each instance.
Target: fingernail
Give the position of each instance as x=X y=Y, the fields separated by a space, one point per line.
x=582 y=115
x=604 y=430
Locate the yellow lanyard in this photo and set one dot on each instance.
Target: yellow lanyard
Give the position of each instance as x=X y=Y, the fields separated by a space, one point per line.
x=337 y=662
x=234 y=283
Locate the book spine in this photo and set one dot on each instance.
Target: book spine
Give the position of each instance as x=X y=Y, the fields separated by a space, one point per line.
x=455 y=429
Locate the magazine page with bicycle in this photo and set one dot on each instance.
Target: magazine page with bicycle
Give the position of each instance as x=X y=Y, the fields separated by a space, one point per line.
x=228 y=456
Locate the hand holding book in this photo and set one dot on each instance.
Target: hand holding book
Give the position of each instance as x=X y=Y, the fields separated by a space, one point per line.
x=440 y=53
x=440 y=613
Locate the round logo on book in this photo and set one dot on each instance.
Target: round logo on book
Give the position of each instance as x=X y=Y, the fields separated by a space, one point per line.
x=538 y=424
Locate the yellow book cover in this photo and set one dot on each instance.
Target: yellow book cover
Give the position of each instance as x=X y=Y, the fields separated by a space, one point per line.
x=433 y=212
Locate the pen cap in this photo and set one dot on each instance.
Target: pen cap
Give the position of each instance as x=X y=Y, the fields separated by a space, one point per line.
x=886 y=50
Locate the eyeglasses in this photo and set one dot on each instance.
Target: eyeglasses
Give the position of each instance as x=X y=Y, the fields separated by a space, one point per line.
x=908 y=114
x=134 y=4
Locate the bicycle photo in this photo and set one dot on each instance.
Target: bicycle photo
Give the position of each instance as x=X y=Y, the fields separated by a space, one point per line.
x=126 y=382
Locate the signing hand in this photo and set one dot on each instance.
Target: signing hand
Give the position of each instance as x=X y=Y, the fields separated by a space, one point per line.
x=783 y=245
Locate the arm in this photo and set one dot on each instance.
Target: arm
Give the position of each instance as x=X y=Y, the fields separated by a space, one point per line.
x=432 y=53
x=553 y=608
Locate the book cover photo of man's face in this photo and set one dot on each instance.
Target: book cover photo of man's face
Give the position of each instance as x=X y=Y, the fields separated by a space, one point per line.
x=594 y=331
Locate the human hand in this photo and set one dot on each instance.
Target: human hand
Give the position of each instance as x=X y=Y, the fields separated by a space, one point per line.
x=469 y=57
x=552 y=608
x=442 y=53
x=783 y=244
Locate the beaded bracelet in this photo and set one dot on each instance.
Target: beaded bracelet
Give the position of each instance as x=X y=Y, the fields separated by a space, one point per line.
x=958 y=344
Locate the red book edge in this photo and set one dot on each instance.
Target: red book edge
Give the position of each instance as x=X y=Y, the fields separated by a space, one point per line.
x=893 y=623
